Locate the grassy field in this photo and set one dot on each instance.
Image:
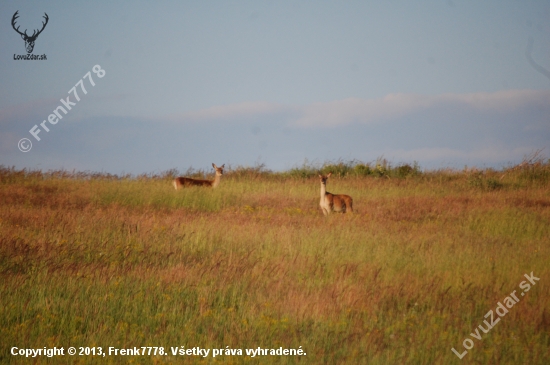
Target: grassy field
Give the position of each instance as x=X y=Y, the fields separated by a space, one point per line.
x=92 y=260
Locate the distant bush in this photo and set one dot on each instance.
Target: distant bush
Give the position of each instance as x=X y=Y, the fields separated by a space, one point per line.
x=484 y=180
x=305 y=171
x=363 y=170
x=245 y=172
x=534 y=170
x=493 y=184
x=475 y=180
x=407 y=170
x=340 y=168
x=10 y=175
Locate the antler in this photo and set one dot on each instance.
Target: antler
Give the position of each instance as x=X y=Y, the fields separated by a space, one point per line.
x=15 y=16
x=43 y=26
x=34 y=34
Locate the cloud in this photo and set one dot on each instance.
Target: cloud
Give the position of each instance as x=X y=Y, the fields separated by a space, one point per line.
x=492 y=154
x=24 y=110
x=393 y=106
x=245 y=110
x=360 y=110
x=476 y=129
x=368 y=111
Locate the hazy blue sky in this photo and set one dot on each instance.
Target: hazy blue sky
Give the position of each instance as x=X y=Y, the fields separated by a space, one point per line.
x=188 y=83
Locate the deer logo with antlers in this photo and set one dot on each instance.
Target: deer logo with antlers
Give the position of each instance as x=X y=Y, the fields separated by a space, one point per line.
x=29 y=40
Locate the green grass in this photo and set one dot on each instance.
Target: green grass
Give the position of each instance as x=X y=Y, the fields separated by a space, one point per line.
x=97 y=260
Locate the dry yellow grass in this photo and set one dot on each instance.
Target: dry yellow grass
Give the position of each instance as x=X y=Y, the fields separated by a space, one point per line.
x=97 y=261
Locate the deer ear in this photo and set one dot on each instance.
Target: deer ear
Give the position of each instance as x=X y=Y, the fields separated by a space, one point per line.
x=213 y=165
x=23 y=36
x=223 y=166
x=330 y=173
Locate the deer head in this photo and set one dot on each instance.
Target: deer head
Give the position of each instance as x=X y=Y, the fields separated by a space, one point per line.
x=324 y=178
x=29 y=40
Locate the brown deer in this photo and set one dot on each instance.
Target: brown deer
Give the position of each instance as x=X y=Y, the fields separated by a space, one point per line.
x=331 y=202
x=185 y=181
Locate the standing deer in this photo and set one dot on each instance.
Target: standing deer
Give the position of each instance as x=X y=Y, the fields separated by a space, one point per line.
x=331 y=202
x=185 y=181
x=29 y=40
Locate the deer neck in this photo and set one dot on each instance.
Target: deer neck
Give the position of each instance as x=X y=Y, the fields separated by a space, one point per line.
x=216 y=181
x=323 y=190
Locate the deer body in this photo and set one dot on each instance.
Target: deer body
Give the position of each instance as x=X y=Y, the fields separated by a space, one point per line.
x=185 y=181
x=329 y=203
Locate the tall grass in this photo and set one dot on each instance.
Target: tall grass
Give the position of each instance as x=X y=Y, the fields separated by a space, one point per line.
x=101 y=260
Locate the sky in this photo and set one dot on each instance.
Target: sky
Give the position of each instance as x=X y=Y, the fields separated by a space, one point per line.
x=182 y=84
